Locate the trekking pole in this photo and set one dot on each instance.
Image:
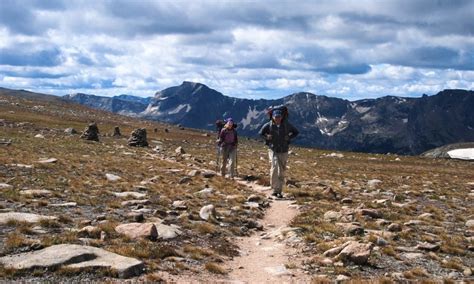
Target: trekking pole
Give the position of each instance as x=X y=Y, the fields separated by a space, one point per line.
x=236 y=162
x=218 y=157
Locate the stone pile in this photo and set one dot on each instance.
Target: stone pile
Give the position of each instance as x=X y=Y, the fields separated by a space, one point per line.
x=138 y=138
x=91 y=132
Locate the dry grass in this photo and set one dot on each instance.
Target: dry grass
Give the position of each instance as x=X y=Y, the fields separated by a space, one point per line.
x=215 y=268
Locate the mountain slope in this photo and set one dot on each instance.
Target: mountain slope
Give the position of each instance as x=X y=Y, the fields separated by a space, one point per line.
x=382 y=125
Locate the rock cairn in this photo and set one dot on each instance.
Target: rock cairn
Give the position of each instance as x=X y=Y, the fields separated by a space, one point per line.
x=91 y=132
x=117 y=132
x=138 y=138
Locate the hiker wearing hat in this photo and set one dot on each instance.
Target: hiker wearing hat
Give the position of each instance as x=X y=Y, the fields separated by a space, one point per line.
x=278 y=133
x=228 y=143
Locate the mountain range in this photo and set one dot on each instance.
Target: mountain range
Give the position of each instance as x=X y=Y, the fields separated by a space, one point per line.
x=384 y=125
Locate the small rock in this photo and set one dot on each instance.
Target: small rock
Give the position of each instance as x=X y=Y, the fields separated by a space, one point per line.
x=332 y=216
x=470 y=223
x=426 y=216
x=254 y=198
x=70 y=131
x=180 y=150
x=129 y=194
x=48 y=161
x=467 y=272
x=23 y=217
x=428 y=247
x=138 y=230
x=66 y=204
x=351 y=228
x=413 y=223
x=374 y=183
x=341 y=278
x=394 y=227
x=205 y=191
x=209 y=174
x=184 y=180
x=136 y=216
x=5 y=186
x=36 y=192
x=135 y=202
x=39 y=136
x=208 y=212
x=112 y=177
x=356 y=252
x=370 y=212
x=179 y=205
x=194 y=173
x=346 y=200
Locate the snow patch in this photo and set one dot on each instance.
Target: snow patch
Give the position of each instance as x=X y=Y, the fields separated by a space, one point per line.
x=361 y=109
x=179 y=108
x=251 y=114
x=463 y=154
x=405 y=120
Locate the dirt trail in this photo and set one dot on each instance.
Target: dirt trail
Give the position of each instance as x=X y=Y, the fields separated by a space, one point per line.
x=264 y=259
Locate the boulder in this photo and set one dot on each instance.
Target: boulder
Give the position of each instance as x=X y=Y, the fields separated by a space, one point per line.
x=5 y=186
x=70 y=131
x=76 y=257
x=208 y=212
x=23 y=217
x=138 y=138
x=112 y=177
x=138 y=230
x=91 y=132
x=356 y=252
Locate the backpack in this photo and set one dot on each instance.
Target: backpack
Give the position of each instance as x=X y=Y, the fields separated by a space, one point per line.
x=282 y=108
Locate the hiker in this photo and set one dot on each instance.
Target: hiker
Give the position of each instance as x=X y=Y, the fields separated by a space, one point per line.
x=228 y=147
x=278 y=133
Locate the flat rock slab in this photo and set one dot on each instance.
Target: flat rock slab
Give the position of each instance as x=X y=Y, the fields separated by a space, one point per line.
x=36 y=192
x=167 y=232
x=5 y=186
x=74 y=256
x=277 y=270
x=47 y=161
x=23 y=217
x=132 y=194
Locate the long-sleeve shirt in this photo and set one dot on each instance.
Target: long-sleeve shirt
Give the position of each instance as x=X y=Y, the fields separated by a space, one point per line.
x=228 y=138
x=281 y=135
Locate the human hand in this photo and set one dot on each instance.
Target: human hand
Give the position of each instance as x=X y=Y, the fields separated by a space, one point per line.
x=268 y=137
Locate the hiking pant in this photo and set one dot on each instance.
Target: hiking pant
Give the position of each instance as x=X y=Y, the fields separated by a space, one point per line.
x=277 y=171
x=229 y=158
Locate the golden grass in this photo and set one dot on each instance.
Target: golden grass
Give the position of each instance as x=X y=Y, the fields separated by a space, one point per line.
x=215 y=268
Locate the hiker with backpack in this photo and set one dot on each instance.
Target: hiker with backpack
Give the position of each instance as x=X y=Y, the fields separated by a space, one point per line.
x=227 y=142
x=278 y=133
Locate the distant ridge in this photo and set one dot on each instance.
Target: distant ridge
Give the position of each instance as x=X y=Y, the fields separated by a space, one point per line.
x=384 y=125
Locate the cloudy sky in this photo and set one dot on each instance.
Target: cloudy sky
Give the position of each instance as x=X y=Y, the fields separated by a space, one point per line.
x=252 y=49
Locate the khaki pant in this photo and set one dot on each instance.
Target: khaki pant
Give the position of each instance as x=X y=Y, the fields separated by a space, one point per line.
x=277 y=171
x=229 y=157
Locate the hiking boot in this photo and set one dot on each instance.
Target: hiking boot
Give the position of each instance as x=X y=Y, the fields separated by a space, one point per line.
x=279 y=195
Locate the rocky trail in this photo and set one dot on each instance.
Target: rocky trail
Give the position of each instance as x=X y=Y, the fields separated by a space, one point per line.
x=268 y=257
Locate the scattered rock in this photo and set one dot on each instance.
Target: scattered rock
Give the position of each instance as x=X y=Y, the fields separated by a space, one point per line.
x=329 y=193
x=209 y=174
x=74 y=256
x=394 y=227
x=470 y=223
x=91 y=132
x=413 y=223
x=346 y=200
x=138 y=138
x=351 y=228
x=205 y=191
x=138 y=230
x=36 y=192
x=194 y=173
x=112 y=177
x=428 y=247
x=374 y=183
x=66 y=204
x=426 y=216
x=254 y=198
x=136 y=216
x=180 y=150
x=135 y=202
x=332 y=216
x=48 y=161
x=70 y=131
x=279 y=270
x=168 y=232
x=5 y=186
x=23 y=217
x=41 y=136
x=355 y=252
x=184 y=180
x=179 y=205
x=89 y=232
x=132 y=194
x=208 y=212
x=370 y=212
x=341 y=278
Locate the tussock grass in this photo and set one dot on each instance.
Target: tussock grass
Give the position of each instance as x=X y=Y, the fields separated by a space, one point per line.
x=215 y=268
